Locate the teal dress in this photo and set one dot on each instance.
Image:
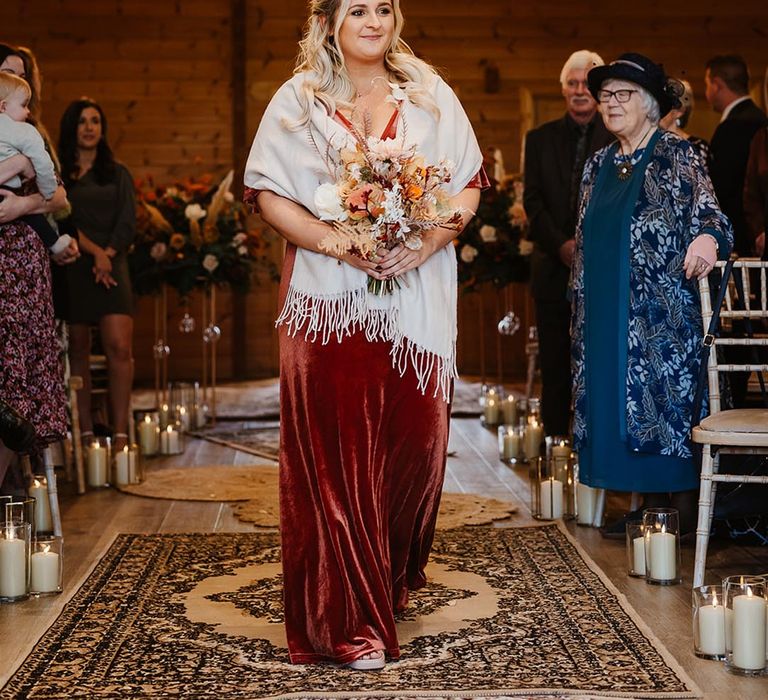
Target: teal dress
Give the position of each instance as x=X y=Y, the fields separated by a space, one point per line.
x=606 y=461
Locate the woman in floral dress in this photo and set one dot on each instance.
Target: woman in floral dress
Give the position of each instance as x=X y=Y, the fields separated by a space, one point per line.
x=31 y=376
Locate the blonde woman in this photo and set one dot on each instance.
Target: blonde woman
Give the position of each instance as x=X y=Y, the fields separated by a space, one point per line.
x=365 y=380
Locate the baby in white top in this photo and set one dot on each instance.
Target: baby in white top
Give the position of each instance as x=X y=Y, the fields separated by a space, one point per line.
x=19 y=137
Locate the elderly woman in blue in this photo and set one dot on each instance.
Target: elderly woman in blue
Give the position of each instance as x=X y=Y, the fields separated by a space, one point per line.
x=648 y=227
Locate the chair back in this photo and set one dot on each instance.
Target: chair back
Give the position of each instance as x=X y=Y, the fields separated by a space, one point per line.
x=746 y=301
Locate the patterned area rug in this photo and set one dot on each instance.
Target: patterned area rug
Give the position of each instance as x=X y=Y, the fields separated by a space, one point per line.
x=507 y=612
x=259 y=400
x=258 y=438
x=255 y=489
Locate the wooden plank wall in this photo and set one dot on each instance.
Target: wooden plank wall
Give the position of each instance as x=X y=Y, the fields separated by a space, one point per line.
x=164 y=70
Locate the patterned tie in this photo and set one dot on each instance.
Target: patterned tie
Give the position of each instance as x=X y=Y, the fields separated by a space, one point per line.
x=578 y=166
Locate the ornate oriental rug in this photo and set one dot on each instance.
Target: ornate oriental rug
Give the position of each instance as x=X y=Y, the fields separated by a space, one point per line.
x=507 y=612
x=260 y=400
x=255 y=489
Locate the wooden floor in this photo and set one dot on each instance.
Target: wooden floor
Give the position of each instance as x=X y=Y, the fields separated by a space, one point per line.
x=91 y=521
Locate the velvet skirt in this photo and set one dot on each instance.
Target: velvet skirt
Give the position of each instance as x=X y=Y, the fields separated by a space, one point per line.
x=362 y=460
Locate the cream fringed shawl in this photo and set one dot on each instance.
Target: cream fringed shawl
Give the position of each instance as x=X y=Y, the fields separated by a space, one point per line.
x=328 y=299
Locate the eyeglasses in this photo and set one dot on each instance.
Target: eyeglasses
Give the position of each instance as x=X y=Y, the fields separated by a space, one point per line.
x=620 y=95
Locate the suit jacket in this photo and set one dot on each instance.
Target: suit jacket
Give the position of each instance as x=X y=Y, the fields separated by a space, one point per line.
x=550 y=151
x=729 y=152
x=756 y=186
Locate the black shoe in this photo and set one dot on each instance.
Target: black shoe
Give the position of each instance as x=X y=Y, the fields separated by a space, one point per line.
x=618 y=529
x=16 y=432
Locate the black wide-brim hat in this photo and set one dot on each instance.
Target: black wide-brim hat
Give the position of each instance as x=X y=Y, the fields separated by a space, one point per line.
x=641 y=70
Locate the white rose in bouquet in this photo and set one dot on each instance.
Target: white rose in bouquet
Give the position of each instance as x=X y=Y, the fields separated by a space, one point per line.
x=468 y=253
x=210 y=262
x=328 y=203
x=194 y=212
x=158 y=250
x=488 y=233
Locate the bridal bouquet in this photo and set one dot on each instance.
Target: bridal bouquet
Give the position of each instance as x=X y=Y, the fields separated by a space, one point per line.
x=385 y=194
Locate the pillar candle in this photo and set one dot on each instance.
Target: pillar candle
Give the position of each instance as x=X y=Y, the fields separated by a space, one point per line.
x=122 y=466
x=148 y=438
x=491 y=411
x=183 y=417
x=165 y=416
x=39 y=491
x=551 y=499
x=509 y=410
x=663 y=556
x=13 y=570
x=748 y=631
x=711 y=622
x=169 y=441
x=586 y=499
x=510 y=445
x=560 y=455
x=638 y=555
x=532 y=439
x=45 y=572
x=97 y=465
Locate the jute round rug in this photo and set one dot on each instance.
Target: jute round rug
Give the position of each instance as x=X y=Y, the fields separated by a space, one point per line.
x=254 y=488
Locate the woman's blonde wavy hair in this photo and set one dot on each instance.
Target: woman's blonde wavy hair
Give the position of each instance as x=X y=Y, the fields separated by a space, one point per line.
x=321 y=55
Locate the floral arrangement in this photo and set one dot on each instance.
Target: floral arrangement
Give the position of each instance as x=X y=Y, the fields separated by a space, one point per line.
x=492 y=248
x=385 y=194
x=194 y=234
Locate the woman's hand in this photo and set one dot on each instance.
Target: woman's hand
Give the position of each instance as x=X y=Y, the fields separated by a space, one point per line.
x=401 y=259
x=102 y=268
x=68 y=255
x=13 y=207
x=700 y=257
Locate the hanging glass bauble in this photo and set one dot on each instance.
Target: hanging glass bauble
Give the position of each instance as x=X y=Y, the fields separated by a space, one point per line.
x=160 y=349
x=212 y=333
x=187 y=323
x=510 y=323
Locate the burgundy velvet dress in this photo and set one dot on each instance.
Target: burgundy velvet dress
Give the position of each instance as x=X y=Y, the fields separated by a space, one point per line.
x=362 y=461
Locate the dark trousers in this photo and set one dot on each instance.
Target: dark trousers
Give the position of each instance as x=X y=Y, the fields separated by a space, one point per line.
x=553 y=319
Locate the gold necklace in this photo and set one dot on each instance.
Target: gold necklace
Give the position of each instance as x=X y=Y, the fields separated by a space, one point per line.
x=624 y=167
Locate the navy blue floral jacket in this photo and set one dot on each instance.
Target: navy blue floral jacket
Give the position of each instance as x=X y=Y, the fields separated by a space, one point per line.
x=676 y=203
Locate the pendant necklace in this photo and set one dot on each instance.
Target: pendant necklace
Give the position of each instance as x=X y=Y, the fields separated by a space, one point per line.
x=625 y=167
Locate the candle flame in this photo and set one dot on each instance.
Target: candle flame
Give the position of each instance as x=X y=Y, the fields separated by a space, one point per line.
x=147 y=419
x=714 y=599
x=125 y=449
x=46 y=548
x=663 y=529
x=37 y=483
x=169 y=429
x=749 y=592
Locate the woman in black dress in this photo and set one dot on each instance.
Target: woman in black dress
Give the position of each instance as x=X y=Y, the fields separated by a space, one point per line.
x=98 y=284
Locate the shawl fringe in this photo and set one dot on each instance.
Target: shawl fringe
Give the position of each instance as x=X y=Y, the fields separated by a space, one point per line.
x=321 y=317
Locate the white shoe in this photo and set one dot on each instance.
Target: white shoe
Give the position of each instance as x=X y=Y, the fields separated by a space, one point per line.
x=373 y=661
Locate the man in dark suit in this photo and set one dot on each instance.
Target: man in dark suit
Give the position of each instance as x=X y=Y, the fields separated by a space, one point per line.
x=727 y=90
x=726 y=83
x=555 y=154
